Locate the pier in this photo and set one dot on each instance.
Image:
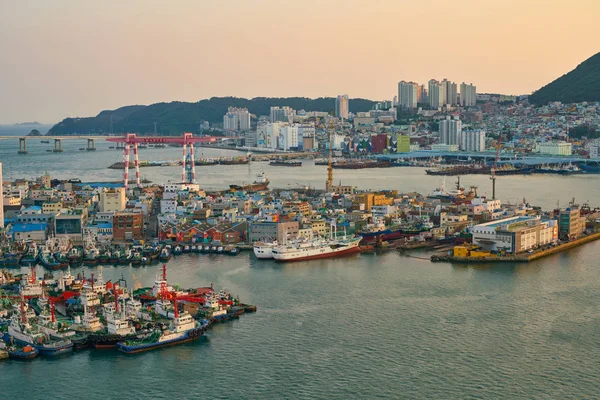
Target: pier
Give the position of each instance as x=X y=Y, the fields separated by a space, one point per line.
x=519 y=258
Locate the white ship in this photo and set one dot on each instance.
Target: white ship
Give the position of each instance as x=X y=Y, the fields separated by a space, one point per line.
x=264 y=250
x=319 y=248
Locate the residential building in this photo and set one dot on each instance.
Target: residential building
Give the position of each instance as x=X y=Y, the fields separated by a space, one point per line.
x=128 y=226
x=436 y=94
x=51 y=208
x=289 y=137
x=342 y=106
x=112 y=200
x=282 y=114
x=468 y=95
x=408 y=95
x=268 y=133
x=450 y=92
x=236 y=119
x=451 y=131
x=473 y=140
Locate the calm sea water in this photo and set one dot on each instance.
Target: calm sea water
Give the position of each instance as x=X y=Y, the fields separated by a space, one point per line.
x=362 y=327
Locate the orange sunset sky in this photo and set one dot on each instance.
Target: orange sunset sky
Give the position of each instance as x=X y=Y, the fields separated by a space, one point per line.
x=75 y=58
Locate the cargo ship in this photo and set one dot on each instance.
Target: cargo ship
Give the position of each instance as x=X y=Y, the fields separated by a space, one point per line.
x=479 y=169
x=183 y=328
x=261 y=183
x=285 y=163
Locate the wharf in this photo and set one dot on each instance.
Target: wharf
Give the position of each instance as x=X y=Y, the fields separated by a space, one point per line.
x=521 y=258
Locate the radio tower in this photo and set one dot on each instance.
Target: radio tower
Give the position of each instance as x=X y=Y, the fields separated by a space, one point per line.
x=329 y=183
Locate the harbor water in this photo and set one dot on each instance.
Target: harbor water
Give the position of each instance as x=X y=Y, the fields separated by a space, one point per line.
x=367 y=326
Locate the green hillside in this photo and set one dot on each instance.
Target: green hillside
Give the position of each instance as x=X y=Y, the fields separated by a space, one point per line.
x=177 y=117
x=581 y=84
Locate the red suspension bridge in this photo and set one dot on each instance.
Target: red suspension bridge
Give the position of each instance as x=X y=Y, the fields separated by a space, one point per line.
x=187 y=140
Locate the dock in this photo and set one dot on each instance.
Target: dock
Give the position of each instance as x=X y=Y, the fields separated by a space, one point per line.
x=518 y=258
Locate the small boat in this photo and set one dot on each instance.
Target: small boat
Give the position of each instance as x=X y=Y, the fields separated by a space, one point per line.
x=220 y=249
x=193 y=249
x=22 y=353
x=145 y=261
x=206 y=249
x=136 y=258
x=165 y=253
x=186 y=248
x=177 y=250
x=234 y=251
x=213 y=249
x=48 y=261
x=115 y=257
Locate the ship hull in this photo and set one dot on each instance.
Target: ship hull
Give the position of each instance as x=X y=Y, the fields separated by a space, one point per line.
x=329 y=254
x=188 y=337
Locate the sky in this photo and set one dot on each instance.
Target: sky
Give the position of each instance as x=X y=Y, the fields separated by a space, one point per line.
x=75 y=58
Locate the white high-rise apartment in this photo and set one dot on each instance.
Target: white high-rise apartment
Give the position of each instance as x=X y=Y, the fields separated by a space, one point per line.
x=236 y=119
x=468 y=94
x=450 y=92
x=1 y=200
x=473 y=140
x=451 y=131
x=267 y=134
x=407 y=95
x=437 y=94
x=342 y=106
x=282 y=114
x=288 y=137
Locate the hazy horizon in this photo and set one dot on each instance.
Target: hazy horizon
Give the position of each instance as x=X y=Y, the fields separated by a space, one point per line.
x=65 y=58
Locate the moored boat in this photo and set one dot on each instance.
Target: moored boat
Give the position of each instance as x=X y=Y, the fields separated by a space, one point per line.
x=183 y=328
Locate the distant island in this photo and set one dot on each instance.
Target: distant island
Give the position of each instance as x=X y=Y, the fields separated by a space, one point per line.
x=28 y=123
x=581 y=84
x=176 y=117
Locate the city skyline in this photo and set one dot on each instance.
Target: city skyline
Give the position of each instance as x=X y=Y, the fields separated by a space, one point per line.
x=95 y=58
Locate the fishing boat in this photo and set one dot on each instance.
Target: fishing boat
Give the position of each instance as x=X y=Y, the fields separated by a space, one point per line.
x=91 y=257
x=104 y=257
x=234 y=251
x=115 y=256
x=186 y=249
x=220 y=249
x=177 y=250
x=30 y=286
x=31 y=257
x=206 y=249
x=183 y=328
x=46 y=323
x=136 y=258
x=126 y=257
x=165 y=253
x=9 y=259
x=75 y=255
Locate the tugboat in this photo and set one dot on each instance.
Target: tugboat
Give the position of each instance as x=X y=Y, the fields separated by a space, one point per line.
x=125 y=258
x=182 y=329
x=91 y=257
x=136 y=259
x=47 y=260
x=114 y=257
x=23 y=333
